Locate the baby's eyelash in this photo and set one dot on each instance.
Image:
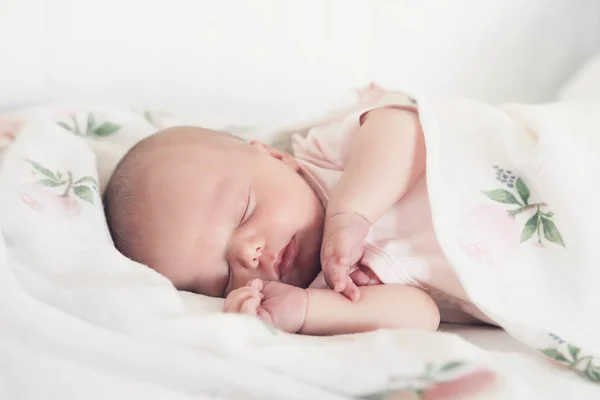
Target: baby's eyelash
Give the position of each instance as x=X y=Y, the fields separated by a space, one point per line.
x=228 y=281
x=246 y=210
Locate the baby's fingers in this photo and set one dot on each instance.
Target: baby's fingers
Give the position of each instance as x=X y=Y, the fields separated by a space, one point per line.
x=336 y=266
x=351 y=291
x=256 y=284
x=236 y=298
x=360 y=278
x=250 y=305
x=342 y=248
x=336 y=276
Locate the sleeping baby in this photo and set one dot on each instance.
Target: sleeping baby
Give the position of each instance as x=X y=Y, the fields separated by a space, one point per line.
x=336 y=237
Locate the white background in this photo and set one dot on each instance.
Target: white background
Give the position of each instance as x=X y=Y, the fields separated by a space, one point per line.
x=280 y=60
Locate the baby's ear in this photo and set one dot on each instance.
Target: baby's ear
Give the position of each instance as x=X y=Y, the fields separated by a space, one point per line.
x=286 y=158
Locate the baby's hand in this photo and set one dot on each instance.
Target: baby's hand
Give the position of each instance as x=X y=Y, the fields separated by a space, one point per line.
x=342 y=248
x=275 y=303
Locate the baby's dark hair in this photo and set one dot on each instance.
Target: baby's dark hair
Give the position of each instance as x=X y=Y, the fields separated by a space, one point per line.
x=119 y=200
x=126 y=220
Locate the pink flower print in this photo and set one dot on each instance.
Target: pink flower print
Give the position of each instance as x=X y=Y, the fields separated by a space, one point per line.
x=63 y=113
x=435 y=384
x=31 y=202
x=46 y=202
x=462 y=387
x=10 y=125
x=489 y=234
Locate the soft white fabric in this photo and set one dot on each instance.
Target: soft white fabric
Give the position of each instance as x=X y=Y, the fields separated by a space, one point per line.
x=524 y=248
x=78 y=320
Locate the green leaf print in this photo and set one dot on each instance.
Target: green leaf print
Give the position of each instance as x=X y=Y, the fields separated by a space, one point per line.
x=91 y=127
x=50 y=182
x=148 y=117
x=502 y=196
x=84 y=193
x=554 y=354
x=87 y=179
x=592 y=373
x=451 y=366
x=523 y=190
x=67 y=186
x=530 y=227
x=91 y=121
x=65 y=125
x=154 y=117
x=540 y=222
x=42 y=170
x=107 y=128
x=571 y=357
x=574 y=351
x=551 y=232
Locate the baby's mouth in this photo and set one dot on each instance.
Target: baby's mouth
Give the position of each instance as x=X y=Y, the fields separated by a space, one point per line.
x=288 y=256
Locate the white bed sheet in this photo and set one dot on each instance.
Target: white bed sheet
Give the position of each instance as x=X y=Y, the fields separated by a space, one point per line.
x=488 y=338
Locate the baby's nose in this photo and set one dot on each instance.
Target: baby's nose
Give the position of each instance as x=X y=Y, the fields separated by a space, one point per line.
x=251 y=255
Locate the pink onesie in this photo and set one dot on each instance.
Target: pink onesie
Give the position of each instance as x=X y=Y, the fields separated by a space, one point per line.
x=401 y=247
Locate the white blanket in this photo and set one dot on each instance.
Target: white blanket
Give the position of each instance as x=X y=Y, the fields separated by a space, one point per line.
x=513 y=199
x=78 y=320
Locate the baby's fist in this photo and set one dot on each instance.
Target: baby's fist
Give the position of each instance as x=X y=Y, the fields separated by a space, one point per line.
x=283 y=306
x=342 y=248
x=244 y=300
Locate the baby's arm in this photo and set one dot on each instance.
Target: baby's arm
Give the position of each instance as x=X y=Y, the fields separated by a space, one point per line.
x=325 y=312
x=380 y=306
x=386 y=158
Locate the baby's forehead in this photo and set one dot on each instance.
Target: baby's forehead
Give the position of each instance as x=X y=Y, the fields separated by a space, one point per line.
x=187 y=176
x=187 y=202
x=196 y=176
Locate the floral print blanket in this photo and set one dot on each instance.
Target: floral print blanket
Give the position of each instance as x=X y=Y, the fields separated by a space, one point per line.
x=514 y=211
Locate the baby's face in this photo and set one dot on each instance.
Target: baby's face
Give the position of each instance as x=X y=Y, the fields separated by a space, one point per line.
x=232 y=212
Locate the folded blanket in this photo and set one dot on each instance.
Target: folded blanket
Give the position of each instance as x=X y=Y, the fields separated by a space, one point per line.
x=79 y=320
x=513 y=198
